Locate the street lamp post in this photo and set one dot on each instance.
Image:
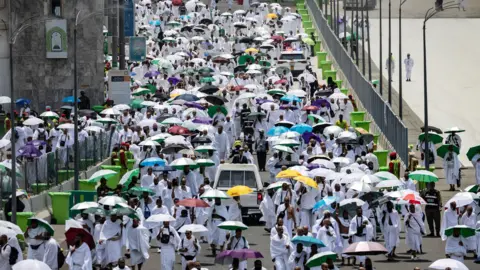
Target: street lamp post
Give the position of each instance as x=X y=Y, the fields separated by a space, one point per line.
x=428 y=15
x=381 y=50
x=368 y=45
x=356 y=32
x=400 y=91
x=389 y=52
x=363 y=40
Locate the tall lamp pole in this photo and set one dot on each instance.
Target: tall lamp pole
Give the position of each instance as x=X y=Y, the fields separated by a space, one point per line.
x=363 y=39
x=400 y=92
x=368 y=45
x=381 y=49
x=428 y=15
x=356 y=32
x=389 y=52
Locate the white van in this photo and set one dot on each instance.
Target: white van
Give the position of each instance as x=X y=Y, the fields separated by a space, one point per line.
x=295 y=59
x=230 y=175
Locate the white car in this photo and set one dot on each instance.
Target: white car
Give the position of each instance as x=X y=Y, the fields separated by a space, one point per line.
x=295 y=60
x=230 y=175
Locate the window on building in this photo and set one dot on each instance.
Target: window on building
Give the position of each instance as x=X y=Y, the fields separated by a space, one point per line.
x=57 y=8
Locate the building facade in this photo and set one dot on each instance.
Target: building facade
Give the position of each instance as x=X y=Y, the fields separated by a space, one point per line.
x=43 y=59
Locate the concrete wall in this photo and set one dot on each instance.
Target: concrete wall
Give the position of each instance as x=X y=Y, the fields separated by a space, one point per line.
x=47 y=81
x=4 y=53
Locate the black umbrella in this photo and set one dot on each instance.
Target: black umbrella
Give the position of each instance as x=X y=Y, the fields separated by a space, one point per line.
x=371 y=196
x=187 y=28
x=284 y=124
x=88 y=113
x=346 y=140
x=318 y=128
x=205 y=21
x=198 y=29
x=246 y=40
x=208 y=89
x=239 y=69
x=201 y=140
x=173 y=148
x=312 y=158
x=367 y=138
x=254 y=115
x=216 y=100
x=432 y=128
x=187 y=97
x=164 y=116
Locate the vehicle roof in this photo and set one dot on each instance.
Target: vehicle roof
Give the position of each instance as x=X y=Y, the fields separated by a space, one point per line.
x=237 y=167
x=292 y=52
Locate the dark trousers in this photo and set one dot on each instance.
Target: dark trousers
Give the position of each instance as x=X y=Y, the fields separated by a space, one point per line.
x=433 y=215
x=262 y=158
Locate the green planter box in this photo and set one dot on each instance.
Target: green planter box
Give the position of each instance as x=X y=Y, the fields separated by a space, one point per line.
x=300 y=2
x=363 y=124
x=307 y=24
x=329 y=18
x=112 y=181
x=375 y=138
x=130 y=163
x=318 y=46
x=83 y=184
x=356 y=117
x=64 y=175
x=22 y=218
x=321 y=56
x=326 y=65
x=78 y=196
x=97 y=108
x=302 y=11
x=309 y=30
x=60 y=206
x=339 y=83
x=300 y=5
x=39 y=188
x=382 y=156
x=329 y=73
x=383 y=169
x=344 y=91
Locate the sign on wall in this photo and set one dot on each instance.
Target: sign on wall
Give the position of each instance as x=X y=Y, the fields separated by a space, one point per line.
x=138 y=49
x=119 y=86
x=57 y=41
x=129 y=25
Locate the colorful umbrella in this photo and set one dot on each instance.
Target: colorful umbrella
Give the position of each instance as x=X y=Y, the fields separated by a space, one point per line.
x=101 y=174
x=423 y=176
x=444 y=149
x=212 y=110
x=363 y=248
x=178 y=130
x=29 y=151
x=432 y=137
x=192 y=202
x=214 y=194
x=327 y=201
x=42 y=223
x=307 y=241
x=87 y=238
x=153 y=161
x=301 y=128
x=137 y=191
x=465 y=231
x=277 y=131
x=307 y=181
x=473 y=151
x=239 y=191
x=232 y=225
x=320 y=258
x=288 y=174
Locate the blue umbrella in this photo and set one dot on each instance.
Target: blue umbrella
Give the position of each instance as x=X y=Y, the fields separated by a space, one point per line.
x=301 y=128
x=277 y=131
x=290 y=98
x=155 y=22
x=187 y=97
x=307 y=241
x=22 y=101
x=29 y=151
x=151 y=74
x=153 y=161
x=69 y=99
x=327 y=201
x=164 y=169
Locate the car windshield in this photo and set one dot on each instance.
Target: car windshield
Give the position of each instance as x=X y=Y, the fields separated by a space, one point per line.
x=292 y=56
x=229 y=179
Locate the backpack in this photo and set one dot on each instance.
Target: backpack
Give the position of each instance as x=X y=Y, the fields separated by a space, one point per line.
x=177 y=3
x=42 y=136
x=60 y=258
x=16 y=135
x=165 y=238
x=13 y=256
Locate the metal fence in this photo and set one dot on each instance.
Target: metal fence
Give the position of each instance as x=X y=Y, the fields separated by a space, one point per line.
x=53 y=168
x=382 y=114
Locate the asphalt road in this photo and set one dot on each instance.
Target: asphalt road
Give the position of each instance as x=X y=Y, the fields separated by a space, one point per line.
x=417 y=8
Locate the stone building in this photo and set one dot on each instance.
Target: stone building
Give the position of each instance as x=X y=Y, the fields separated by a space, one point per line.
x=46 y=81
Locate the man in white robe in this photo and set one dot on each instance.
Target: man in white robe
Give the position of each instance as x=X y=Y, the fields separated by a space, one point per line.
x=455 y=247
x=469 y=218
x=218 y=214
x=51 y=252
x=327 y=235
x=238 y=242
x=147 y=179
x=268 y=210
x=476 y=165
x=34 y=236
x=414 y=230
x=234 y=210
x=221 y=143
x=408 y=67
x=451 y=167
x=360 y=230
x=391 y=229
x=280 y=247
x=344 y=224
x=169 y=242
x=272 y=161
x=287 y=212
x=79 y=257
x=306 y=200
x=298 y=258
x=189 y=248
x=111 y=235
x=449 y=219
x=138 y=244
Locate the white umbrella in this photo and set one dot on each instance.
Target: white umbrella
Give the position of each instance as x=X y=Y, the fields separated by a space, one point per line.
x=148 y=103
x=324 y=163
x=322 y=172
x=240 y=11
x=342 y=161
x=448 y=263
x=268 y=106
x=66 y=126
x=49 y=114
x=198 y=61
x=94 y=129
x=159 y=218
x=351 y=178
x=287 y=142
x=360 y=187
x=297 y=93
x=307 y=77
x=203 y=148
x=282 y=148
x=106 y=120
x=147 y=123
x=4 y=143
x=290 y=135
x=253 y=71
x=121 y=107
x=389 y=184
x=84 y=205
x=338 y=96
x=11 y=226
x=232 y=225
x=33 y=121
x=111 y=200
x=181 y=162
x=149 y=143
x=30 y=265
x=72 y=223
x=358 y=202
x=172 y=121
x=194 y=228
x=110 y=111
x=386 y=176
x=347 y=134
x=335 y=130
x=177 y=139
x=214 y=193
x=370 y=179
x=278 y=184
x=101 y=173
x=254 y=66
x=161 y=136
x=5 y=100
x=8 y=232
x=462 y=199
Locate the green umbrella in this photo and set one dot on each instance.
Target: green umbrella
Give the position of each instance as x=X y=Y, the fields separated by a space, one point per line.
x=141 y=91
x=205 y=162
x=313 y=117
x=123 y=210
x=264 y=63
x=432 y=137
x=423 y=176
x=136 y=104
x=151 y=87
x=99 y=211
x=473 y=151
x=173 y=23
x=232 y=225
x=443 y=150
x=101 y=174
x=42 y=223
x=127 y=177
x=375 y=82
x=473 y=188
x=465 y=231
x=207 y=80
x=204 y=148
x=276 y=92
x=7 y=167
x=254 y=115
x=137 y=191
x=213 y=110
x=319 y=258
x=308 y=41
x=242 y=60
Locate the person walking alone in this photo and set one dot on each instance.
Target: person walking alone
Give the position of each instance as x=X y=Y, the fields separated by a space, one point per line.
x=408 y=67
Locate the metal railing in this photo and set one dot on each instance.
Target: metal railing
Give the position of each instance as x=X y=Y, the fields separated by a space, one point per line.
x=381 y=113
x=53 y=168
